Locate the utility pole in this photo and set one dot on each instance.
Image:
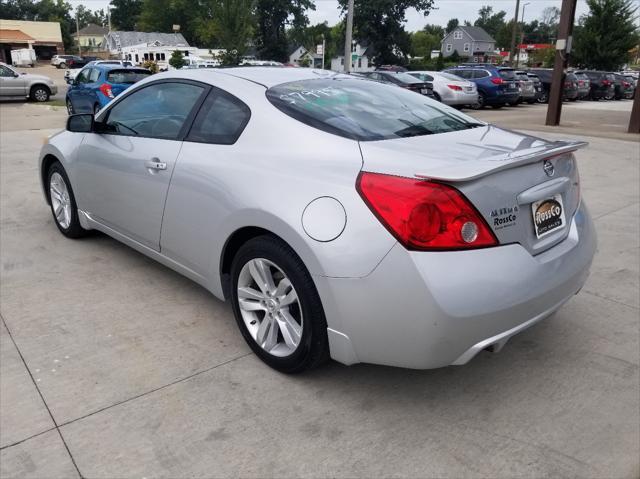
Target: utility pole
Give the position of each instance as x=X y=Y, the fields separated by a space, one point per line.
x=324 y=47
x=634 y=121
x=524 y=6
x=349 y=38
x=512 y=52
x=109 y=17
x=78 y=34
x=563 y=50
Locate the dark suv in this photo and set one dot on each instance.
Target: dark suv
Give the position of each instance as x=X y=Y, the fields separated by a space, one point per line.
x=497 y=86
x=569 y=87
x=623 y=87
x=602 y=85
x=403 y=80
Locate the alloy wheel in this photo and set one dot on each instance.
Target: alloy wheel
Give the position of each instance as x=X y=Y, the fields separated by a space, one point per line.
x=270 y=307
x=60 y=200
x=40 y=94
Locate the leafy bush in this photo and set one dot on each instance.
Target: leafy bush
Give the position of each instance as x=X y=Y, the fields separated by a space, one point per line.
x=151 y=66
x=177 y=60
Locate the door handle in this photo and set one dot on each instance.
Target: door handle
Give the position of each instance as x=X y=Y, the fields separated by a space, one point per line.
x=155 y=164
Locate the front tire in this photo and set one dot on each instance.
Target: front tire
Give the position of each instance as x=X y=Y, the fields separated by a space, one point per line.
x=70 y=109
x=63 y=202
x=39 y=93
x=277 y=306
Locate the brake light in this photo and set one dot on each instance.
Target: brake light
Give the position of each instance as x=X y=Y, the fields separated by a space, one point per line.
x=455 y=87
x=424 y=215
x=106 y=90
x=606 y=82
x=626 y=84
x=497 y=81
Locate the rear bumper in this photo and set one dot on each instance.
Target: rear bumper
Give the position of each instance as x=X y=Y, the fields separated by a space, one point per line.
x=426 y=310
x=451 y=97
x=502 y=98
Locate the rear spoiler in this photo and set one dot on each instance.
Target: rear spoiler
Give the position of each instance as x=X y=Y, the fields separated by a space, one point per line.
x=503 y=162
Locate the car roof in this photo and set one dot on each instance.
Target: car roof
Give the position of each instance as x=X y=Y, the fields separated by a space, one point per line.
x=113 y=66
x=266 y=76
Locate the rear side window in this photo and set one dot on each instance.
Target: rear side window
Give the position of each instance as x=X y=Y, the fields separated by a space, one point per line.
x=221 y=119
x=480 y=74
x=127 y=76
x=364 y=110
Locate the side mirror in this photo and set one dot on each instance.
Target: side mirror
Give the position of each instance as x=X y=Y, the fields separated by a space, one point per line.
x=81 y=123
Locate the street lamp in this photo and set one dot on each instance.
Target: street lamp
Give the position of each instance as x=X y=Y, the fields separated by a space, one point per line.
x=524 y=6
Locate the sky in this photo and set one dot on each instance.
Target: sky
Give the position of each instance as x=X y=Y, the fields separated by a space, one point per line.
x=327 y=10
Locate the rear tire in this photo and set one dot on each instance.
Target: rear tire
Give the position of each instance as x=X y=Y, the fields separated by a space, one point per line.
x=281 y=264
x=63 y=201
x=62 y=65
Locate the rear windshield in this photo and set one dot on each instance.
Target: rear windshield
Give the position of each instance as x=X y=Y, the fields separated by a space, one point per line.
x=127 y=76
x=522 y=76
x=449 y=76
x=364 y=110
x=506 y=74
x=402 y=77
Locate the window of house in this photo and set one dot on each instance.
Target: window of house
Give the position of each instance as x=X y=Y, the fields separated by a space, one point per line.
x=457 y=35
x=162 y=57
x=467 y=47
x=146 y=56
x=449 y=47
x=137 y=58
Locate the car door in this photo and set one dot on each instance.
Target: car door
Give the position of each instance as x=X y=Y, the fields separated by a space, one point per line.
x=124 y=168
x=77 y=93
x=91 y=90
x=206 y=181
x=11 y=82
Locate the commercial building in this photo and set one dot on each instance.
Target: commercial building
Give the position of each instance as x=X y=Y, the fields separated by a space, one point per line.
x=44 y=37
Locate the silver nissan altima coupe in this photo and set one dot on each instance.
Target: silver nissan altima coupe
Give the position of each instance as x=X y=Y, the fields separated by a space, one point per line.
x=342 y=217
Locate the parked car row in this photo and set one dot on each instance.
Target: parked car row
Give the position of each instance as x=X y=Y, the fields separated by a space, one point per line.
x=478 y=85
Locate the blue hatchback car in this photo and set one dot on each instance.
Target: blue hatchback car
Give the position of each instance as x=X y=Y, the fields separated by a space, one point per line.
x=497 y=86
x=97 y=85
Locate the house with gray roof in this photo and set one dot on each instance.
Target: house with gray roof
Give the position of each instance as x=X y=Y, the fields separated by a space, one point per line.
x=115 y=41
x=471 y=42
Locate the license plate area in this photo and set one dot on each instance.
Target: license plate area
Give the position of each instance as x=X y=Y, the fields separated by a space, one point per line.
x=548 y=215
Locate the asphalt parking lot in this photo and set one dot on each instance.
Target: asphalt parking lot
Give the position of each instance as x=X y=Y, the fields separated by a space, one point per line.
x=114 y=366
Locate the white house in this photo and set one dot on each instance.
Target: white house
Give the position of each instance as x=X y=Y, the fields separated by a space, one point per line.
x=361 y=59
x=303 y=57
x=156 y=52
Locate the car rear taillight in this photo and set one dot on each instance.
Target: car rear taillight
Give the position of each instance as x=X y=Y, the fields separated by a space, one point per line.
x=455 y=87
x=626 y=84
x=424 y=215
x=497 y=81
x=106 y=90
x=606 y=82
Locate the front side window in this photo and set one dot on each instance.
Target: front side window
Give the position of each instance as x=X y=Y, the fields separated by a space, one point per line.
x=363 y=110
x=221 y=119
x=83 y=76
x=94 y=75
x=6 y=72
x=156 y=111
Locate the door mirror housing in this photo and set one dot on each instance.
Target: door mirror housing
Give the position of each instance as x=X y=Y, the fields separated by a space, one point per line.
x=81 y=123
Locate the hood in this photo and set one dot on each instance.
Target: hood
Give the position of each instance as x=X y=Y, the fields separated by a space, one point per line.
x=461 y=155
x=31 y=76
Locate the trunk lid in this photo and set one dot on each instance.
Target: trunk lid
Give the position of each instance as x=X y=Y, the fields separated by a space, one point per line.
x=500 y=171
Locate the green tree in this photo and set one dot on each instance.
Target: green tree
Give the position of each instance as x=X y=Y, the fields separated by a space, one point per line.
x=125 y=14
x=161 y=15
x=423 y=43
x=489 y=21
x=452 y=24
x=227 y=24
x=606 y=35
x=177 y=60
x=272 y=19
x=380 y=23
x=86 y=16
x=435 y=30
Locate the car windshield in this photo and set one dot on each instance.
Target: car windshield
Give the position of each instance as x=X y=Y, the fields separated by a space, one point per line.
x=126 y=76
x=364 y=110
